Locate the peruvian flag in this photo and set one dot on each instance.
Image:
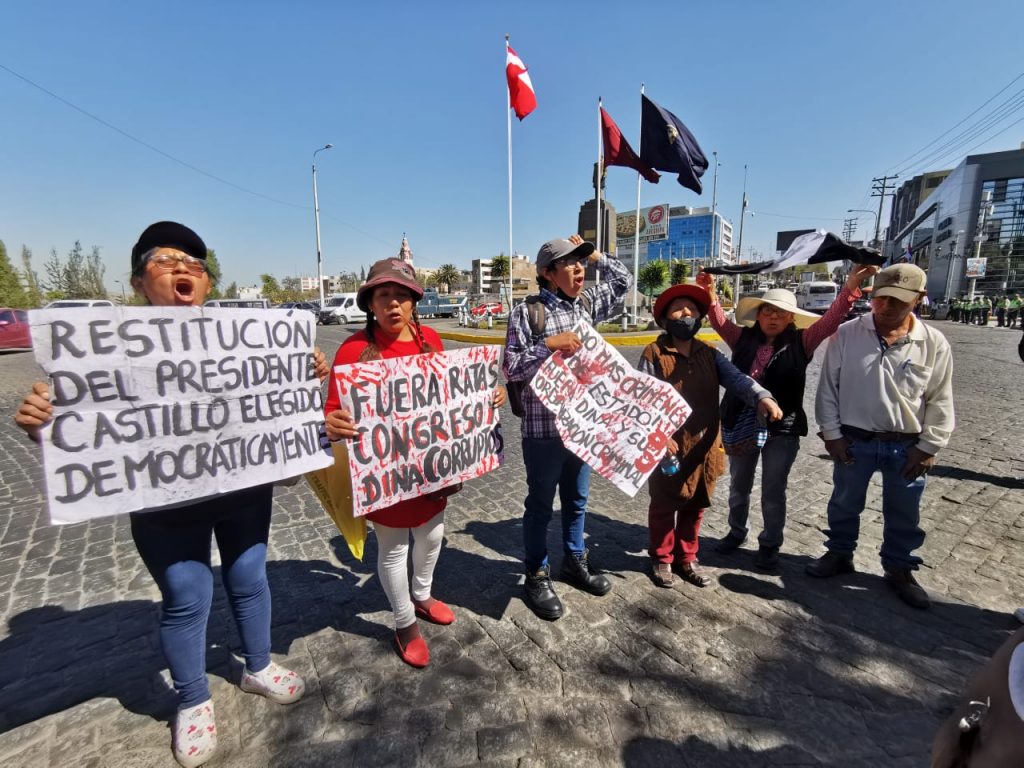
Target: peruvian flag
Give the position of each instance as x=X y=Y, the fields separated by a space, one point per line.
x=520 y=89
x=618 y=152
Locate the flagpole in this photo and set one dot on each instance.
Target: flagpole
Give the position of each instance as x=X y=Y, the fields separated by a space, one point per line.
x=597 y=184
x=636 y=221
x=508 y=127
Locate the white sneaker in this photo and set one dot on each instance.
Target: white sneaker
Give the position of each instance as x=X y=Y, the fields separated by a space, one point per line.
x=195 y=735
x=1019 y=613
x=276 y=683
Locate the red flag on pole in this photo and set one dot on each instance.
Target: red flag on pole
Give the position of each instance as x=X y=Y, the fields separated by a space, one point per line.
x=618 y=152
x=520 y=90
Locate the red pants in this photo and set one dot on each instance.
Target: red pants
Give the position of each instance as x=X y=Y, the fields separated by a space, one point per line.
x=673 y=533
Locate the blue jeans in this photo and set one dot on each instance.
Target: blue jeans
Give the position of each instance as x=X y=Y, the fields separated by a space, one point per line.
x=175 y=546
x=550 y=464
x=901 y=501
x=777 y=457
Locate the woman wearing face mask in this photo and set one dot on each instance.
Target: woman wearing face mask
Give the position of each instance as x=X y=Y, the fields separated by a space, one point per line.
x=770 y=344
x=696 y=370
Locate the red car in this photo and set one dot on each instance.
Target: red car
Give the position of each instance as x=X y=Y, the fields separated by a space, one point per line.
x=14 y=333
x=494 y=307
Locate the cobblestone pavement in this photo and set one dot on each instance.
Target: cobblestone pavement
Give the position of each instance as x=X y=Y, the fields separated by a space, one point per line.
x=754 y=670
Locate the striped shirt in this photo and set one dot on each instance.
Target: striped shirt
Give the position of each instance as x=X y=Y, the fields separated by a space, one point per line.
x=526 y=352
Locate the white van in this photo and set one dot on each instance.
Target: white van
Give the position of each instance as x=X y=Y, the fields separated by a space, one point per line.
x=78 y=303
x=340 y=308
x=816 y=296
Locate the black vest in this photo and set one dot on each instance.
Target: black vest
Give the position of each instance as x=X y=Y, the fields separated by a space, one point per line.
x=785 y=376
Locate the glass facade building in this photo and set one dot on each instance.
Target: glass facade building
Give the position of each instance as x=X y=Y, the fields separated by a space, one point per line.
x=691 y=237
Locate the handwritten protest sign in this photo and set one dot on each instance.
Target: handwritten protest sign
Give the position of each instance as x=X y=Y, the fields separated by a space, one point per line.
x=426 y=423
x=615 y=418
x=155 y=406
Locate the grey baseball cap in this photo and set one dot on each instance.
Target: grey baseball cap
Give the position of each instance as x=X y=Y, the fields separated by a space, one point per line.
x=559 y=249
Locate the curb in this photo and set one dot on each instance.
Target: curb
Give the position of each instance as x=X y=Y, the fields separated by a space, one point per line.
x=638 y=340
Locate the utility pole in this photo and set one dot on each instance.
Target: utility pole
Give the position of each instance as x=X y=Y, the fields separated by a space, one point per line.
x=880 y=187
x=849 y=227
x=714 y=213
x=739 y=250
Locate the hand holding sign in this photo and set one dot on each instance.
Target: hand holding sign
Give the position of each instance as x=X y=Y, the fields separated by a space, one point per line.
x=617 y=419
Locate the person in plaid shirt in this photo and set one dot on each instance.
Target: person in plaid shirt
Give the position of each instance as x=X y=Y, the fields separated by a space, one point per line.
x=561 y=267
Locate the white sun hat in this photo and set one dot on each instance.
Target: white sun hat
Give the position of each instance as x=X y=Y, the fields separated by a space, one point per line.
x=747 y=309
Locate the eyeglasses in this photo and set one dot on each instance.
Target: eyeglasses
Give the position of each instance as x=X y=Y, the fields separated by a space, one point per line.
x=769 y=311
x=168 y=262
x=571 y=261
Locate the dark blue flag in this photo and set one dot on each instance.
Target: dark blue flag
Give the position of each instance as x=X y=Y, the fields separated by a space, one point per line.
x=667 y=145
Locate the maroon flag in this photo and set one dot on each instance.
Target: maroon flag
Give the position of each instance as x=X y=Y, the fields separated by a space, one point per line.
x=618 y=152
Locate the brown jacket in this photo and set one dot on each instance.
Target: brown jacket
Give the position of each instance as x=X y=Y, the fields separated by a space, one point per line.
x=701 y=456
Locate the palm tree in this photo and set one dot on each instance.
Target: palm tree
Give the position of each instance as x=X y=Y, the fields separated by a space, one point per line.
x=652 y=276
x=500 y=267
x=448 y=275
x=680 y=270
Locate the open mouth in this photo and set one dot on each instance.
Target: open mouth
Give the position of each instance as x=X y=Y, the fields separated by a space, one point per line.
x=184 y=290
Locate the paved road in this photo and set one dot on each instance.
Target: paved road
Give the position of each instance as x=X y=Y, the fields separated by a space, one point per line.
x=755 y=670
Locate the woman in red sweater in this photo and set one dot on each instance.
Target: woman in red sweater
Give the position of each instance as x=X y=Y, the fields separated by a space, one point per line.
x=392 y=330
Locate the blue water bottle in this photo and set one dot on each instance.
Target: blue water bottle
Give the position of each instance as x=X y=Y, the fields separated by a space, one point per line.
x=669 y=465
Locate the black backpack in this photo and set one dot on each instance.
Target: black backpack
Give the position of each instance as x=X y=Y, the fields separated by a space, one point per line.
x=536 y=316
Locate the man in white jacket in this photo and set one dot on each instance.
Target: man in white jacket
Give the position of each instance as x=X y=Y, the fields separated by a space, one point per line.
x=885 y=404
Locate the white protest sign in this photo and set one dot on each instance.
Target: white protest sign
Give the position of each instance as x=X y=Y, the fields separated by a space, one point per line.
x=156 y=406
x=426 y=422
x=614 y=417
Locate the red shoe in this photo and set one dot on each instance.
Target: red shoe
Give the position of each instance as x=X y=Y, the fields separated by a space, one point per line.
x=438 y=613
x=415 y=654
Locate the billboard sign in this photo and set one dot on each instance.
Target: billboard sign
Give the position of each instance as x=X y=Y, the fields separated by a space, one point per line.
x=976 y=267
x=653 y=226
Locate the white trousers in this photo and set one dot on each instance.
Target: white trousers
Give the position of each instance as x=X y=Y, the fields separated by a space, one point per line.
x=393 y=568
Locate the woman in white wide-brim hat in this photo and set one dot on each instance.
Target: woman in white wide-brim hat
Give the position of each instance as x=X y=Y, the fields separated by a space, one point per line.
x=772 y=341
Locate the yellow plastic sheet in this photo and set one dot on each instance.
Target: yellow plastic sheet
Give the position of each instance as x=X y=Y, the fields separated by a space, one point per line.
x=333 y=486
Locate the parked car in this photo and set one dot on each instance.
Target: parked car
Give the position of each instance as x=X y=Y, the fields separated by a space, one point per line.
x=434 y=304
x=306 y=305
x=340 y=308
x=14 y=332
x=60 y=303
x=487 y=308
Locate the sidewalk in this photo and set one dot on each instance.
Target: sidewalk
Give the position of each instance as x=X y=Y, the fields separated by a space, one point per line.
x=756 y=670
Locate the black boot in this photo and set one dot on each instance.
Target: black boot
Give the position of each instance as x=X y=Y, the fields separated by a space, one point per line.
x=576 y=570
x=540 y=595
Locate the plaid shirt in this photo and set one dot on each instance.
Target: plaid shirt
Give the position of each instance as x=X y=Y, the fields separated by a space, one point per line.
x=526 y=352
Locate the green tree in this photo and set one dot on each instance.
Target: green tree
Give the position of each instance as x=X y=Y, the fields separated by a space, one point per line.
x=74 y=273
x=271 y=289
x=93 y=270
x=447 y=275
x=362 y=275
x=231 y=292
x=652 y=277
x=56 y=284
x=680 y=270
x=213 y=270
x=12 y=294
x=500 y=270
x=30 y=278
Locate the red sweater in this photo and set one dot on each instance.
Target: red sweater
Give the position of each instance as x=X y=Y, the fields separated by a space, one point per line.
x=410 y=513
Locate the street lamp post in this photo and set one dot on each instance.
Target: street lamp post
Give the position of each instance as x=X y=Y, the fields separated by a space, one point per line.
x=714 y=211
x=124 y=299
x=316 y=223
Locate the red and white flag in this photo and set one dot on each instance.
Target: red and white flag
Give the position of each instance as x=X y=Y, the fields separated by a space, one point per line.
x=520 y=90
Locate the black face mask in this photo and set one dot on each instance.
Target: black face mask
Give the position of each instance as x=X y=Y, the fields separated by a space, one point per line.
x=685 y=328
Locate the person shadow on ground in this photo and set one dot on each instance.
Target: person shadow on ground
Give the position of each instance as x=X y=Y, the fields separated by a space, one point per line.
x=54 y=659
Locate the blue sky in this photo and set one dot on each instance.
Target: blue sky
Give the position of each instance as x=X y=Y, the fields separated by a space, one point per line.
x=816 y=98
